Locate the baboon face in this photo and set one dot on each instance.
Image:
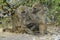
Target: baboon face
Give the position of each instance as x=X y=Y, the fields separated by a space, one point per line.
x=21 y=9
x=35 y=7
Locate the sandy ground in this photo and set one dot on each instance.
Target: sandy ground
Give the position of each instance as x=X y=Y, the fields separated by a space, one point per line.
x=13 y=36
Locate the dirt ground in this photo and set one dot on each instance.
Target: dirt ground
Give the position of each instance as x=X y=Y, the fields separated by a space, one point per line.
x=14 y=36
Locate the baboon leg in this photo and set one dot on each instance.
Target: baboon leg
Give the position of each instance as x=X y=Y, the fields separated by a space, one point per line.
x=42 y=29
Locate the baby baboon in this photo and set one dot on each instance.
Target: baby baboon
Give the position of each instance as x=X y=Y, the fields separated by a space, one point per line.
x=38 y=11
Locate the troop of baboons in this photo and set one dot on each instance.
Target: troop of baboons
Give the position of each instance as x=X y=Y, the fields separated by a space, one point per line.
x=28 y=19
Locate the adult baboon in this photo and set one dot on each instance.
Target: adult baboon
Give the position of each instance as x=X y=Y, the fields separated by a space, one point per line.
x=39 y=14
x=23 y=13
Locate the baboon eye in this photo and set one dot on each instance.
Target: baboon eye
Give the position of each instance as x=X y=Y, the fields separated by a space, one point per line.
x=23 y=12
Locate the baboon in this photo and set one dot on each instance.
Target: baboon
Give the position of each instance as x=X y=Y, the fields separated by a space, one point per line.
x=23 y=12
x=39 y=14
